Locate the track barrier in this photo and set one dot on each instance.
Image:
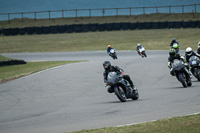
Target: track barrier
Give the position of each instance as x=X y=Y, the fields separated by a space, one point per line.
x=11 y=62
x=78 y=28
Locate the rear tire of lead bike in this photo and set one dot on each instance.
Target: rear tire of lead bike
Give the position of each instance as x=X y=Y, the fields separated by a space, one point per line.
x=197 y=72
x=120 y=93
x=182 y=80
x=136 y=96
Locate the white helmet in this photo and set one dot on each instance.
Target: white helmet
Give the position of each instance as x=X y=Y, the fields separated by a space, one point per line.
x=199 y=43
x=138 y=44
x=189 y=51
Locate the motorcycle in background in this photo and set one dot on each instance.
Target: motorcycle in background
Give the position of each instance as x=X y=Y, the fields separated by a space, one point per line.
x=176 y=47
x=142 y=52
x=194 y=63
x=113 y=54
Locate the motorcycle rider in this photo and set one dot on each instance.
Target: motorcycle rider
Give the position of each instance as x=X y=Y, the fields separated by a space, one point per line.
x=198 y=49
x=139 y=46
x=108 y=49
x=172 y=56
x=189 y=53
x=172 y=42
x=109 y=68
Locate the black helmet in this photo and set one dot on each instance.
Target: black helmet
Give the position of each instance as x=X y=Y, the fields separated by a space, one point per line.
x=172 y=52
x=106 y=64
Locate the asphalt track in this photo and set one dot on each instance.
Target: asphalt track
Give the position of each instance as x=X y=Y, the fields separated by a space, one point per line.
x=73 y=97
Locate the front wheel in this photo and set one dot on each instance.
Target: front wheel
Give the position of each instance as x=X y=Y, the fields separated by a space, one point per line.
x=182 y=80
x=120 y=93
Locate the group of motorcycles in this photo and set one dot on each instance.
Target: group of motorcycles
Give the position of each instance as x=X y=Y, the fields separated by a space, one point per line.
x=140 y=51
x=181 y=69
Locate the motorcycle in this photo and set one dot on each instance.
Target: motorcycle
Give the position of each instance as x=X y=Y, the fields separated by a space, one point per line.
x=176 y=47
x=113 y=54
x=142 y=52
x=121 y=87
x=194 y=63
x=180 y=71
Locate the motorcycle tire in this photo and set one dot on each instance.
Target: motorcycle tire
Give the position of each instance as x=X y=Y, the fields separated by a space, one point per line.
x=182 y=80
x=136 y=95
x=197 y=74
x=120 y=93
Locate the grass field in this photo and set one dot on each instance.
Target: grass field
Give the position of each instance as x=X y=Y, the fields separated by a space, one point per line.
x=15 y=71
x=157 y=39
x=185 y=124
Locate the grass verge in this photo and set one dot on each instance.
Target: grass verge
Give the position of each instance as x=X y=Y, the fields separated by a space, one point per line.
x=16 y=71
x=185 y=124
x=155 y=39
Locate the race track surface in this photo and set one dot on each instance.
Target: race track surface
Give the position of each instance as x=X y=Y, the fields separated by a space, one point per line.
x=73 y=97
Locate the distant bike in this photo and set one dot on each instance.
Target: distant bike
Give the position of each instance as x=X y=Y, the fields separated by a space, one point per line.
x=142 y=52
x=176 y=47
x=121 y=87
x=194 y=63
x=113 y=54
x=180 y=72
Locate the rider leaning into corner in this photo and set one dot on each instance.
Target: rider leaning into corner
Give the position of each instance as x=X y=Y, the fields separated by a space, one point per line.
x=108 y=49
x=139 y=46
x=172 y=56
x=189 y=53
x=109 y=68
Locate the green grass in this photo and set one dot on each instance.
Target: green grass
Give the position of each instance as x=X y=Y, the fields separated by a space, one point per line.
x=185 y=124
x=15 y=71
x=155 y=39
x=107 y=19
x=2 y=58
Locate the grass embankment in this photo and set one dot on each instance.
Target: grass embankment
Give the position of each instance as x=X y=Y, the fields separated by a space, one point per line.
x=19 y=23
x=185 y=124
x=16 y=71
x=92 y=41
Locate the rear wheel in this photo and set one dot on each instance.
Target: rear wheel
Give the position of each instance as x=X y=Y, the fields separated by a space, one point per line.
x=182 y=80
x=120 y=93
x=197 y=74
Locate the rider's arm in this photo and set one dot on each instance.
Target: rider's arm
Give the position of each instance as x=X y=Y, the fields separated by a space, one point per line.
x=117 y=69
x=169 y=65
x=198 y=55
x=105 y=75
x=170 y=62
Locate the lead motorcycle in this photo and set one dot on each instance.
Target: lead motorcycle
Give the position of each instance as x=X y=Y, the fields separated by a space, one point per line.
x=194 y=63
x=142 y=52
x=180 y=72
x=113 y=54
x=121 y=87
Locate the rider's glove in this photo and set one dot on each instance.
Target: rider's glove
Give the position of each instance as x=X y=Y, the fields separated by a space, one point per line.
x=185 y=64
